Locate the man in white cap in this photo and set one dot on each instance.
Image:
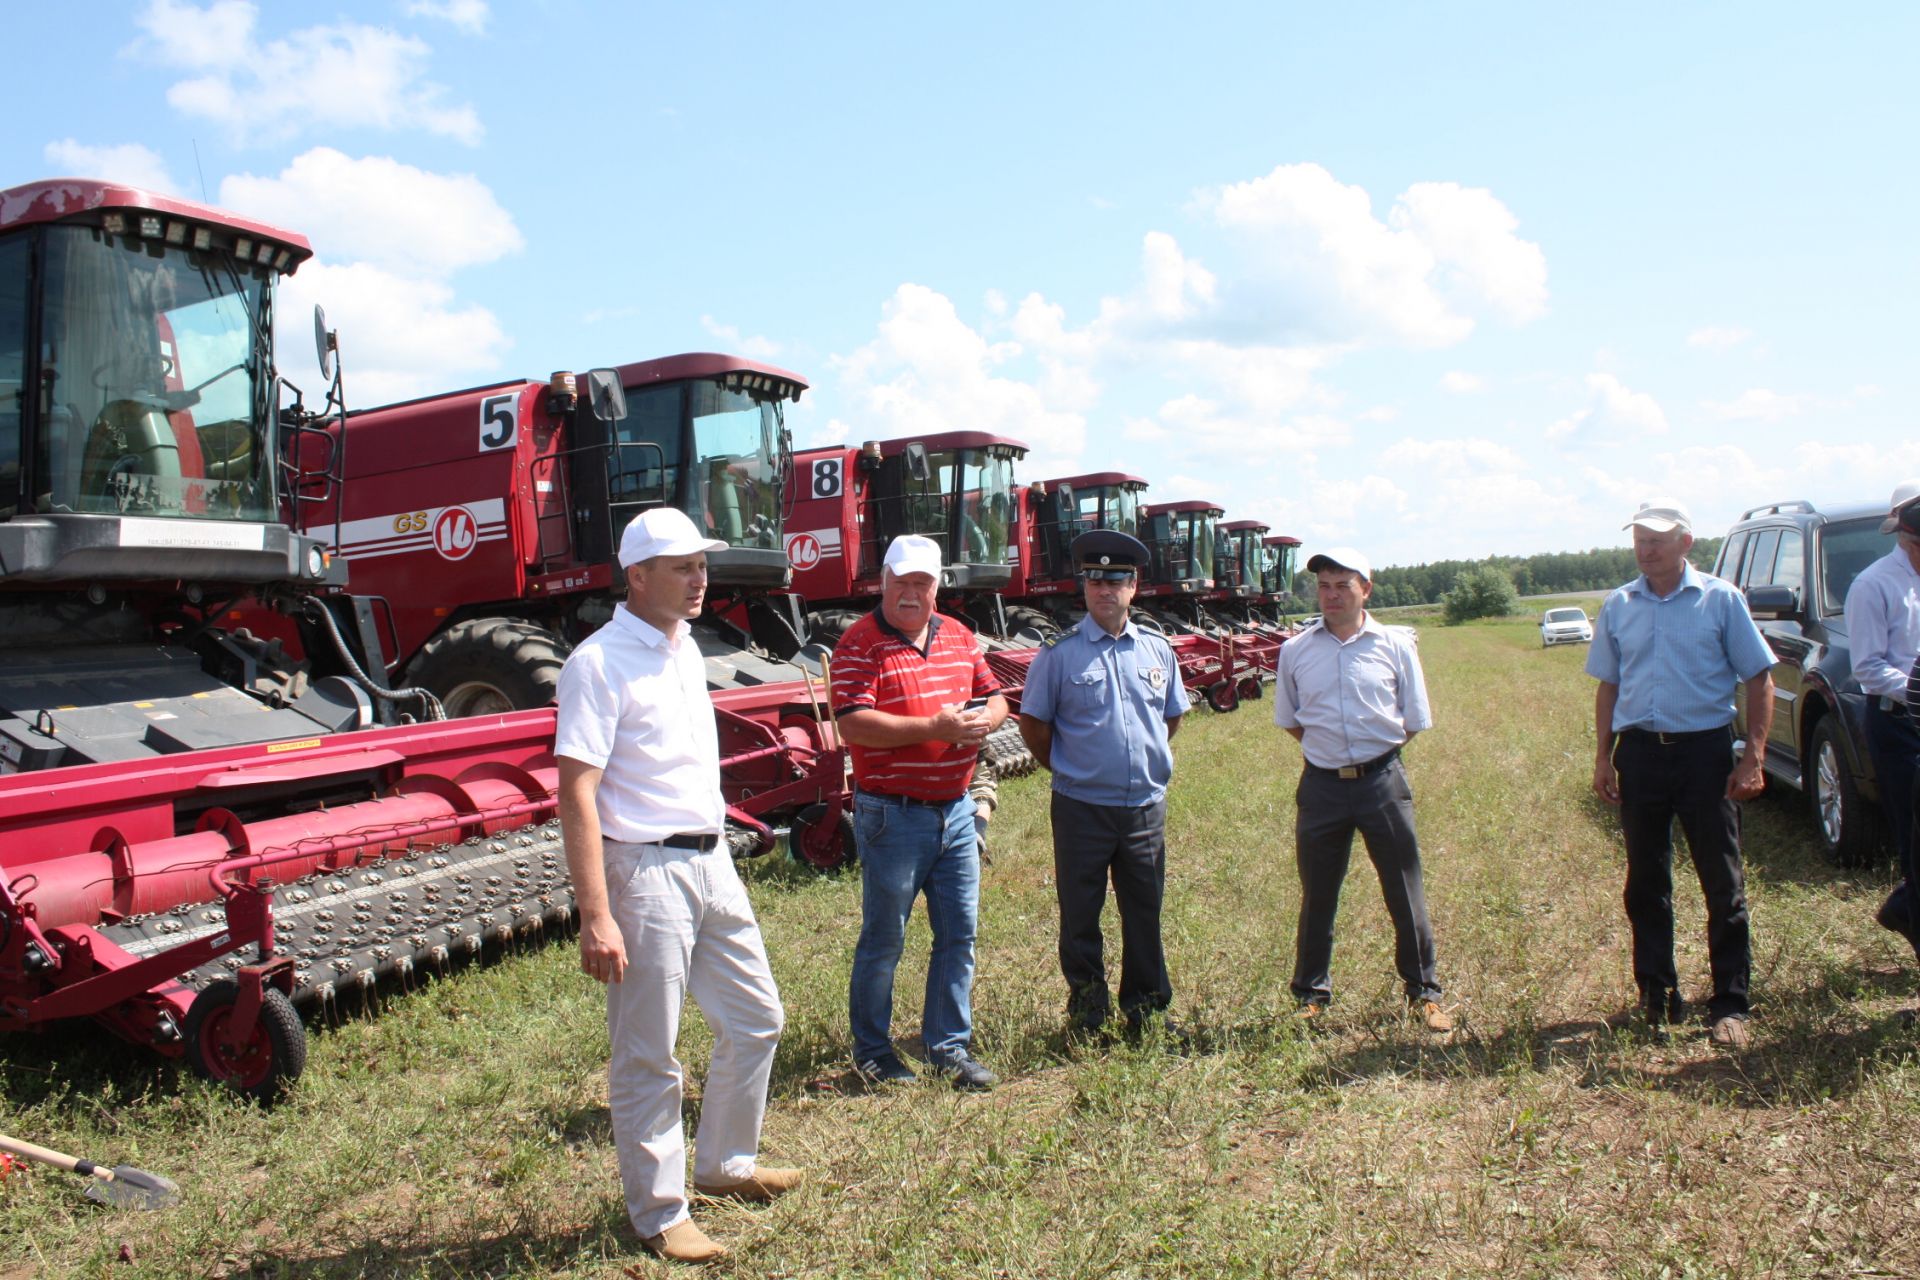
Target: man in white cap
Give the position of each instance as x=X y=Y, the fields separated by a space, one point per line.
x=1883 y=628
x=662 y=911
x=1350 y=691
x=1670 y=649
x=914 y=700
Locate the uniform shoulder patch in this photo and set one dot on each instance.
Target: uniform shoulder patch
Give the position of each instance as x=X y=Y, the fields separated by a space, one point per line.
x=1054 y=639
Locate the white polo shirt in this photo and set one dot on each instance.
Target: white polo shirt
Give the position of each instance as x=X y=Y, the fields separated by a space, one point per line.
x=1356 y=699
x=633 y=703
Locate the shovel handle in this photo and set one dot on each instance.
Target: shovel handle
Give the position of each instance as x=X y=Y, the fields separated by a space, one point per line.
x=58 y=1159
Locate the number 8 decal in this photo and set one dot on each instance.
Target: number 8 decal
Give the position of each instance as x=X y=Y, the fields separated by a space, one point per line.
x=826 y=478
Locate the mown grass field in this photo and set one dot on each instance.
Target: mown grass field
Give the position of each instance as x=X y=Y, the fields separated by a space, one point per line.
x=463 y=1131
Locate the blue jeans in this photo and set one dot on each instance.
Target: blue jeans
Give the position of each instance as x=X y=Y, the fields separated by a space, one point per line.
x=906 y=849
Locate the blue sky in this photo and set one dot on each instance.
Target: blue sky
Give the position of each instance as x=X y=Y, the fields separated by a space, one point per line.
x=1431 y=280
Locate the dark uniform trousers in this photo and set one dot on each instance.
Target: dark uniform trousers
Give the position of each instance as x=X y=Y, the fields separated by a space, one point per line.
x=1894 y=746
x=1379 y=805
x=1090 y=843
x=1685 y=778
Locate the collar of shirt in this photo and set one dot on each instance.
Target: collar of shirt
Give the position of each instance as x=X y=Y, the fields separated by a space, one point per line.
x=1689 y=580
x=645 y=632
x=933 y=629
x=1369 y=626
x=1095 y=633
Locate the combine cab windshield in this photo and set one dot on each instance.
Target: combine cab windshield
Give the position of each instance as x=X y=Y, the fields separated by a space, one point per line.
x=986 y=501
x=738 y=478
x=155 y=394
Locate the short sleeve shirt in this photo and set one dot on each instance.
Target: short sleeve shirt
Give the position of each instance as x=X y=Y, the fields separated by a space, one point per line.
x=1883 y=624
x=1678 y=659
x=1355 y=699
x=1109 y=699
x=875 y=668
x=633 y=703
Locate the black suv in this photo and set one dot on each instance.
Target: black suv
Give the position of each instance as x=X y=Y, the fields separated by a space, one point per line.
x=1795 y=564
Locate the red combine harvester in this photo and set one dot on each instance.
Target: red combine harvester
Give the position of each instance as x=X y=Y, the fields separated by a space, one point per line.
x=510 y=499
x=1045 y=594
x=1278 y=553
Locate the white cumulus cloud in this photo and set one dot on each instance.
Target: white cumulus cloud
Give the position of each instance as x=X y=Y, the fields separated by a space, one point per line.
x=1613 y=411
x=345 y=75
x=468 y=15
x=129 y=164
x=1461 y=383
x=378 y=210
x=1758 y=405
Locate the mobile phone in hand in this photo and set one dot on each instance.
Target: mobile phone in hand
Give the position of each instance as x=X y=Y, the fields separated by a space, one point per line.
x=976 y=704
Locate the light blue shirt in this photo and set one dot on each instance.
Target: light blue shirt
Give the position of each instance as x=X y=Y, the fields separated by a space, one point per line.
x=1354 y=699
x=1883 y=624
x=1678 y=659
x=1109 y=699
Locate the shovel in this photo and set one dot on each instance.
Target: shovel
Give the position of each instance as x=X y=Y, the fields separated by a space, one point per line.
x=123 y=1186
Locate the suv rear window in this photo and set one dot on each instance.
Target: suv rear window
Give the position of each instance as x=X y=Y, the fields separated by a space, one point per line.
x=1846 y=549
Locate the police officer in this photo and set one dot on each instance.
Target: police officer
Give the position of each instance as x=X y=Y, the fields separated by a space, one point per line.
x=1101 y=703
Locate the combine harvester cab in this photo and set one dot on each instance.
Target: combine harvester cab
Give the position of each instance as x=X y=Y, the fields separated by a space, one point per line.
x=1185 y=540
x=509 y=499
x=957 y=487
x=1047 y=597
x=172 y=783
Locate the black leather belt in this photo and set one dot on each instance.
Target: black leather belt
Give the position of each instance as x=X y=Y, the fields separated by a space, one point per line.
x=1349 y=772
x=699 y=843
x=1662 y=738
x=890 y=798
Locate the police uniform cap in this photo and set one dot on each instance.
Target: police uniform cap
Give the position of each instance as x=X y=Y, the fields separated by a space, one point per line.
x=1108 y=553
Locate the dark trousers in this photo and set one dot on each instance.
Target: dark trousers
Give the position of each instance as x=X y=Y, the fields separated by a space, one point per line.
x=1380 y=807
x=1686 y=779
x=1894 y=745
x=1092 y=842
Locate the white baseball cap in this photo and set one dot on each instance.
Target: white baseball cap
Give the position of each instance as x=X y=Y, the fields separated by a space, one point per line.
x=663 y=531
x=1660 y=515
x=1341 y=558
x=1902 y=497
x=911 y=553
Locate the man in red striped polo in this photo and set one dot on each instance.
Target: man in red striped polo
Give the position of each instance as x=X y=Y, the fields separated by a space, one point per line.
x=914 y=700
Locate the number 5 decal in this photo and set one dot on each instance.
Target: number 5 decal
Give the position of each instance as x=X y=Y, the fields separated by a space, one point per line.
x=826 y=478
x=499 y=422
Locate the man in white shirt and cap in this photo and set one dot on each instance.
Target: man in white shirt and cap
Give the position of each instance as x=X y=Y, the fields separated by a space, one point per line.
x=662 y=912
x=1350 y=691
x=1883 y=628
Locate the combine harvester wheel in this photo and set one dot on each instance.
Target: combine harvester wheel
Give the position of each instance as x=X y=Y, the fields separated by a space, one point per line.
x=822 y=839
x=263 y=1065
x=485 y=666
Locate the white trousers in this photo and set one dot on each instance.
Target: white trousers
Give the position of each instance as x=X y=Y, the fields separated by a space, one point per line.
x=688 y=929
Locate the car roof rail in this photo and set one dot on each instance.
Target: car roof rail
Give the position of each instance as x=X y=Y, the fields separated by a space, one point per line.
x=1776 y=508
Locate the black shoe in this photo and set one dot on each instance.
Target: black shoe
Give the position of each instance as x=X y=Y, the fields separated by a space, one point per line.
x=1172 y=1033
x=968 y=1075
x=1898 y=919
x=884 y=1070
x=1660 y=1006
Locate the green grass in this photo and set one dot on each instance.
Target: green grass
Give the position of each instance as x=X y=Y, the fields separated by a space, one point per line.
x=463 y=1131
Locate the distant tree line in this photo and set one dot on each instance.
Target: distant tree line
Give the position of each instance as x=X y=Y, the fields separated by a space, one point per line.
x=1542 y=575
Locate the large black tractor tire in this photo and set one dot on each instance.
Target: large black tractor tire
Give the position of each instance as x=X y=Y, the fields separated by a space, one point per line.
x=271 y=1059
x=1851 y=831
x=827 y=626
x=1223 y=695
x=1024 y=619
x=485 y=666
x=822 y=838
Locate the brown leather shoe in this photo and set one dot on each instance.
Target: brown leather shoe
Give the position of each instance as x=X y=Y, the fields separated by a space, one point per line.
x=1731 y=1032
x=684 y=1242
x=1435 y=1017
x=762 y=1185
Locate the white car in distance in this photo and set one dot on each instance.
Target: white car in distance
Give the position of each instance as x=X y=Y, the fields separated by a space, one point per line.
x=1565 y=624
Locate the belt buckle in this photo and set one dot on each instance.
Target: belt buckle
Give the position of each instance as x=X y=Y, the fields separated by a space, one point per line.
x=1666 y=739
x=1348 y=772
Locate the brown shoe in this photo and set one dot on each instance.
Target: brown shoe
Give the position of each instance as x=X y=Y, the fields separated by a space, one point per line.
x=1731 y=1032
x=1435 y=1017
x=1311 y=1014
x=762 y=1185
x=684 y=1242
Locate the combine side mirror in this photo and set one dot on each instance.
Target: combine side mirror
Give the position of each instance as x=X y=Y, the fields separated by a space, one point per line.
x=1773 y=601
x=916 y=456
x=606 y=398
x=325 y=341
